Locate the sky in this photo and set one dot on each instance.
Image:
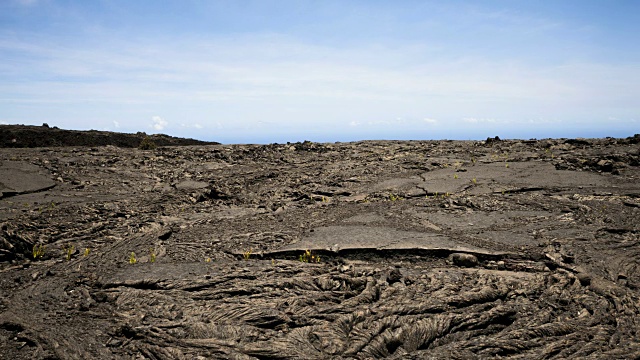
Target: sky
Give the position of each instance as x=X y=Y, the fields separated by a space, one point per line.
x=268 y=71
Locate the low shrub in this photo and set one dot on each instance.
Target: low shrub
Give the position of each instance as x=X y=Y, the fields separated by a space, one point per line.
x=147 y=144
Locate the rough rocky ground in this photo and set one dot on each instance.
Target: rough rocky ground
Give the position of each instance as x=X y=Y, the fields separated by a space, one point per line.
x=413 y=250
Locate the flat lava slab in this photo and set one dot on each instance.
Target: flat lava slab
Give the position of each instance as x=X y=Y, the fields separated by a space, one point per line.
x=18 y=177
x=496 y=177
x=341 y=238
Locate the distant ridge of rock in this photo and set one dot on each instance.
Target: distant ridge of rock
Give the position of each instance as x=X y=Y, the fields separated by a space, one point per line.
x=27 y=136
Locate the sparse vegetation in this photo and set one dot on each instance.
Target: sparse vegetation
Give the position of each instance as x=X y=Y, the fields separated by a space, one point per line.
x=69 y=250
x=394 y=197
x=147 y=144
x=152 y=255
x=38 y=251
x=87 y=251
x=132 y=258
x=549 y=153
x=247 y=254
x=308 y=257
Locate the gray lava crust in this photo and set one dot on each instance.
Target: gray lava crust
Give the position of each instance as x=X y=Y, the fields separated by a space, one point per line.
x=375 y=249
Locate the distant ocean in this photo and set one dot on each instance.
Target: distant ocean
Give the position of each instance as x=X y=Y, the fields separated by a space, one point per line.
x=441 y=135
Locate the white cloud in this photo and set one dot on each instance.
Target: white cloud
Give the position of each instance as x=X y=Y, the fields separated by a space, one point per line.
x=355 y=123
x=116 y=124
x=473 y=120
x=159 y=123
x=430 y=121
x=192 y=126
x=538 y=121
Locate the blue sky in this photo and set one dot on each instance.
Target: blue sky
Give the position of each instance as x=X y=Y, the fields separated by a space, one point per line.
x=276 y=71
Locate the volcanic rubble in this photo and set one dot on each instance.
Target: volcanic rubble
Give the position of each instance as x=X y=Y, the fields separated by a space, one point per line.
x=400 y=249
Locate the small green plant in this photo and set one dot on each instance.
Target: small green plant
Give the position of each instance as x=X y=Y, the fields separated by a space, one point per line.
x=506 y=165
x=308 y=257
x=152 y=255
x=455 y=176
x=394 y=197
x=87 y=251
x=132 y=258
x=38 y=251
x=207 y=259
x=247 y=254
x=69 y=250
x=147 y=144
x=474 y=181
